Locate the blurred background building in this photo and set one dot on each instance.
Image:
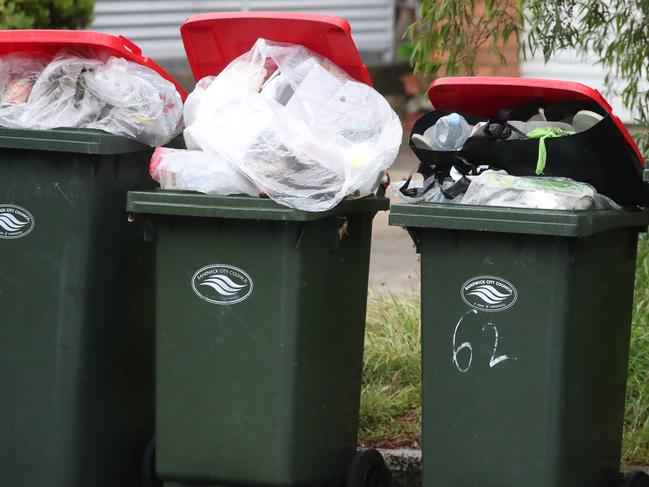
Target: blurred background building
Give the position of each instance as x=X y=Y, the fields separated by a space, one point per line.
x=153 y=24
x=377 y=27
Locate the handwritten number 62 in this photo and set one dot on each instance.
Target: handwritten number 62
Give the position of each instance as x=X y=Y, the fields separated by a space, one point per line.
x=493 y=361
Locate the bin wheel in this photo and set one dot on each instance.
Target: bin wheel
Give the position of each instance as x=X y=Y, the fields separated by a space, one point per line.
x=635 y=478
x=367 y=469
x=149 y=475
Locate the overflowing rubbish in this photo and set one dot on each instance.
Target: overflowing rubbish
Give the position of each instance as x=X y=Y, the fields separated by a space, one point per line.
x=450 y=132
x=82 y=91
x=194 y=99
x=496 y=188
x=428 y=190
x=292 y=123
x=508 y=160
x=198 y=171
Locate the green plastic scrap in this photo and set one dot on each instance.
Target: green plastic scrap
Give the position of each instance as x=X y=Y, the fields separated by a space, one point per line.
x=544 y=133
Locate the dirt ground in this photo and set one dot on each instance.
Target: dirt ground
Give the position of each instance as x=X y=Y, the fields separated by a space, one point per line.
x=394 y=265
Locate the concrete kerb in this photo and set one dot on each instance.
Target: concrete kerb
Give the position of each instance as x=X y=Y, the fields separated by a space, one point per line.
x=405 y=465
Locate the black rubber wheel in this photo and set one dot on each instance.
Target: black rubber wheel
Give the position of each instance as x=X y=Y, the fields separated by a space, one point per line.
x=367 y=469
x=149 y=476
x=635 y=478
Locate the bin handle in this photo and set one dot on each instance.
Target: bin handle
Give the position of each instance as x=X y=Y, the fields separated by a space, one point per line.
x=131 y=46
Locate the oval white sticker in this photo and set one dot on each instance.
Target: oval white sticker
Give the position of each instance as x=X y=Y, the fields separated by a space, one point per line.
x=222 y=284
x=489 y=293
x=15 y=222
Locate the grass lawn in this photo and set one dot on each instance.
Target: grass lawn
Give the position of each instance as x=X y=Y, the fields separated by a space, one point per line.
x=391 y=395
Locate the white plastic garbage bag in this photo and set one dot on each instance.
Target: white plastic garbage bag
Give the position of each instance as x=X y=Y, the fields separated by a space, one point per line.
x=137 y=102
x=194 y=99
x=296 y=125
x=198 y=171
x=118 y=96
x=59 y=98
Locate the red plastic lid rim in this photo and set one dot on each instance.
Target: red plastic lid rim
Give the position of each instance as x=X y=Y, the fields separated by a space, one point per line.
x=213 y=40
x=51 y=41
x=486 y=95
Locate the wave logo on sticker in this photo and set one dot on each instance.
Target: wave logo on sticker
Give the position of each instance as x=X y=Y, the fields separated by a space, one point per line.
x=222 y=284
x=489 y=293
x=15 y=222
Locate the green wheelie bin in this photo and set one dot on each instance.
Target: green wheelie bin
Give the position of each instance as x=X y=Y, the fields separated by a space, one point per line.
x=260 y=309
x=76 y=298
x=526 y=320
x=260 y=324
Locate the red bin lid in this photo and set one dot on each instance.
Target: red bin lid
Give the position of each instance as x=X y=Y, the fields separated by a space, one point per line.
x=487 y=95
x=49 y=42
x=213 y=40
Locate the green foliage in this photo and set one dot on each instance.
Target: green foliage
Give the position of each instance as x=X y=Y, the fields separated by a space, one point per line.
x=616 y=32
x=636 y=422
x=391 y=394
x=44 y=14
x=449 y=33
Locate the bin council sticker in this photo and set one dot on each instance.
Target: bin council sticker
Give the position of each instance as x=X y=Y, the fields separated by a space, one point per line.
x=222 y=284
x=489 y=293
x=15 y=222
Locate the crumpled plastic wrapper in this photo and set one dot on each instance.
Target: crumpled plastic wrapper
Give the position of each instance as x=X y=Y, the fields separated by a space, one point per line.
x=118 y=96
x=198 y=171
x=297 y=126
x=194 y=99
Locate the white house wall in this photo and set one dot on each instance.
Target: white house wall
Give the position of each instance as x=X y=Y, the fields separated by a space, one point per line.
x=569 y=66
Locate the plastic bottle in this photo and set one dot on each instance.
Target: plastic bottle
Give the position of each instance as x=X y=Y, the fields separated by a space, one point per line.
x=449 y=133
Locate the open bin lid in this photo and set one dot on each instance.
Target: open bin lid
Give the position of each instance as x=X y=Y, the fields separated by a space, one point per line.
x=487 y=95
x=49 y=42
x=617 y=161
x=213 y=40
